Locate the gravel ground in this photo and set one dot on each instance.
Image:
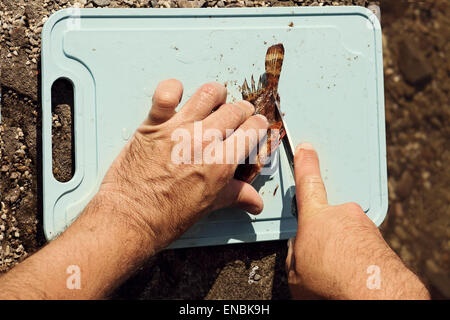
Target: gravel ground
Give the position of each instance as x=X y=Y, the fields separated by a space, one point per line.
x=417 y=70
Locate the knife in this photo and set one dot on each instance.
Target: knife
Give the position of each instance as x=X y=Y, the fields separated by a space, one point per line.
x=287 y=141
x=289 y=149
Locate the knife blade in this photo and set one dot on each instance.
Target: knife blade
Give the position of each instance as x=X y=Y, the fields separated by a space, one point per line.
x=289 y=149
x=287 y=141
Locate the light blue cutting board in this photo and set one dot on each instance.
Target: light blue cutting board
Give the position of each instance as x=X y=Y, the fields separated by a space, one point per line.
x=331 y=89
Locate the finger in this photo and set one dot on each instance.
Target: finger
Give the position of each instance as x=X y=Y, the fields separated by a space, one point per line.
x=246 y=138
x=310 y=189
x=241 y=195
x=166 y=98
x=204 y=100
x=290 y=254
x=229 y=116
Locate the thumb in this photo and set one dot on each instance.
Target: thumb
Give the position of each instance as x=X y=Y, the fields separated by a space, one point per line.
x=241 y=195
x=310 y=189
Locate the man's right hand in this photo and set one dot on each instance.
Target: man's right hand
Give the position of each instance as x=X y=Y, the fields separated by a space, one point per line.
x=338 y=247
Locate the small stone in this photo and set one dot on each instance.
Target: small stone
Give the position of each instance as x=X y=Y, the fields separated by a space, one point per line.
x=12 y=196
x=431 y=266
x=102 y=3
x=22 y=168
x=405 y=185
x=187 y=4
x=257 y=277
x=14 y=175
x=401 y=233
x=406 y=254
x=438 y=277
x=398 y=209
x=413 y=66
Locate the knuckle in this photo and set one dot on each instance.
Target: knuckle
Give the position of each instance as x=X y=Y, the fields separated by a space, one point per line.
x=224 y=173
x=210 y=90
x=235 y=112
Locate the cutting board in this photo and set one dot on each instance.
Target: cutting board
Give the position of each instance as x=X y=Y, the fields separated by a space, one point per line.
x=331 y=90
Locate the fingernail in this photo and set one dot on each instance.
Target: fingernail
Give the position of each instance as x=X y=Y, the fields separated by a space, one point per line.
x=304 y=146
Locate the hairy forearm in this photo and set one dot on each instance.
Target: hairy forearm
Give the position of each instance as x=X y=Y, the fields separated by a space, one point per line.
x=367 y=268
x=104 y=244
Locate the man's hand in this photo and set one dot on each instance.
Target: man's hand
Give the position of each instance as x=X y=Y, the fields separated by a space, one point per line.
x=146 y=200
x=165 y=198
x=335 y=245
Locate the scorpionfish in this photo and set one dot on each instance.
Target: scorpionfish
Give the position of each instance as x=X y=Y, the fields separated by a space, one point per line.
x=264 y=97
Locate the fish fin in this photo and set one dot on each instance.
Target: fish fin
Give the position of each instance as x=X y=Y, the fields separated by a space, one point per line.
x=245 y=90
x=250 y=93
x=274 y=63
x=262 y=83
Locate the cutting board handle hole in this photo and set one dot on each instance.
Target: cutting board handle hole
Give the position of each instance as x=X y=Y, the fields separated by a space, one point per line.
x=63 y=139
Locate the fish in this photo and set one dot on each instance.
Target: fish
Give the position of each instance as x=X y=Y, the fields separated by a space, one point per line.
x=264 y=96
